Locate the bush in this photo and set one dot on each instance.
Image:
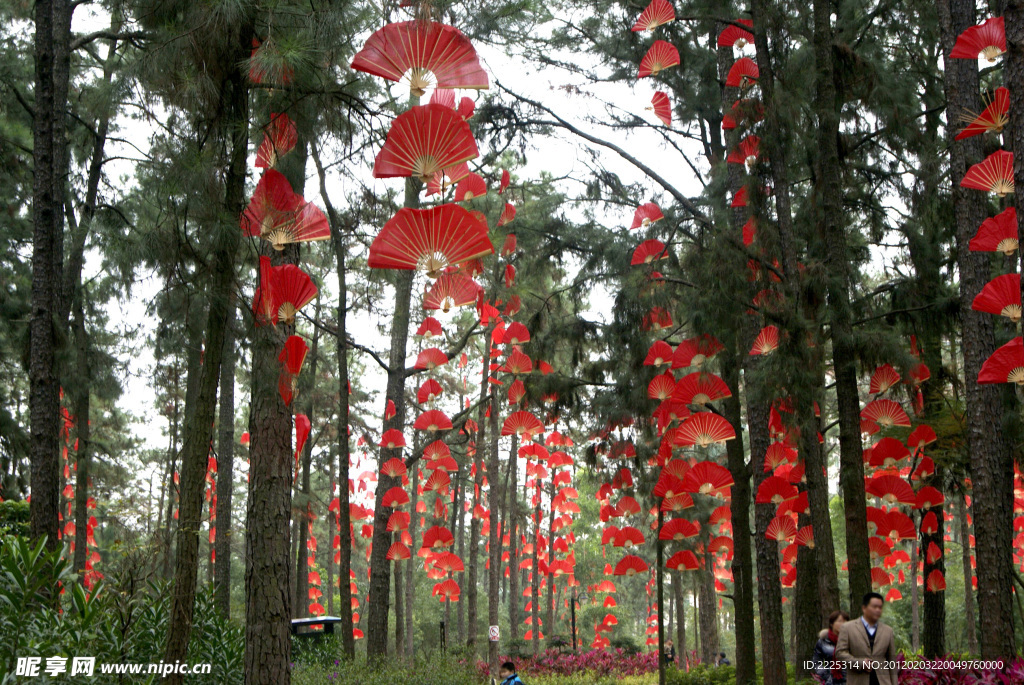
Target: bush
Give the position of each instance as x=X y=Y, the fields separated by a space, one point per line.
x=14 y=518
x=435 y=668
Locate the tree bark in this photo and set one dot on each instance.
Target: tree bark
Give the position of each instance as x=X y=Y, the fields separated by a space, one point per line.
x=50 y=161
x=513 y=543
x=305 y=517
x=81 y=398
x=494 y=497
x=225 y=468
x=677 y=591
x=708 y=614
x=478 y=472
x=991 y=459
x=965 y=557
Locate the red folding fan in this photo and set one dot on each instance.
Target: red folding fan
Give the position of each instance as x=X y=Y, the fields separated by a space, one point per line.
x=936 y=581
x=506 y=178
x=739 y=198
x=767 y=341
x=630 y=565
x=695 y=351
x=518 y=363
x=649 y=251
x=470 y=187
x=429 y=328
x=997 y=234
x=292 y=355
x=432 y=420
x=279 y=139
x=883 y=378
x=451 y=290
x=522 y=423
x=659 y=354
x=422 y=141
x=887 y=452
x=929 y=497
x=987 y=40
x=1006 y=365
x=746 y=152
x=661 y=386
x=263 y=304
x=885 y=413
x=446 y=178
x=516 y=334
x=775 y=490
x=740 y=112
x=734 y=36
x=659 y=12
x=661 y=55
x=430 y=240
x=645 y=215
x=892 y=489
x=994 y=175
x=1000 y=296
x=395 y=497
x=993 y=118
x=516 y=392
x=662 y=107
x=684 y=560
x=743 y=73
x=699 y=388
x=272 y=202
x=507 y=214
x=293 y=289
x=430 y=359
x=707 y=477
x=433 y=54
x=781 y=529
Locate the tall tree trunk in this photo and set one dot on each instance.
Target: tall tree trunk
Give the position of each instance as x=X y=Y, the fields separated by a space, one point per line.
x=915 y=597
x=965 y=557
x=225 y=467
x=50 y=162
x=991 y=460
x=478 y=472
x=300 y=608
x=399 y=572
x=513 y=542
x=677 y=591
x=81 y=398
x=769 y=592
x=459 y=515
x=198 y=431
x=806 y=615
x=344 y=451
x=708 y=614
x=494 y=538
x=535 y=575
x=410 y=577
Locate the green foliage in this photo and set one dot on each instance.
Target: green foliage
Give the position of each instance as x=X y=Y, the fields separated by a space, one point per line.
x=588 y=679
x=436 y=668
x=14 y=517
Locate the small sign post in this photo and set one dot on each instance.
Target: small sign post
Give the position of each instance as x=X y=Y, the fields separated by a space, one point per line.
x=493 y=633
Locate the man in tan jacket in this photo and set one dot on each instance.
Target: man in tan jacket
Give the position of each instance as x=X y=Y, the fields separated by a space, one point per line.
x=866 y=645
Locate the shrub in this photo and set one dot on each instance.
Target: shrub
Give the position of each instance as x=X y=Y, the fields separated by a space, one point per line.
x=14 y=518
x=434 y=668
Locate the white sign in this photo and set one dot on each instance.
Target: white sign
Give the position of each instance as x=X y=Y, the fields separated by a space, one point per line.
x=493 y=633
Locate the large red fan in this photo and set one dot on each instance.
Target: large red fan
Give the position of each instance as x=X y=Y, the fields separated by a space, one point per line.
x=684 y=560
x=434 y=55
x=422 y=141
x=1006 y=365
x=430 y=239
x=883 y=378
x=746 y=152
x=278 y=140
x=649 y=251
x=734 y=36
x=660 y=353
x=987 y=40
x=280 y=216
x=994 y=117
x=630 y=565
x=451 y=290
x=657 y=13
x=885 y=413
x=293 y=354
x=767 y=341
x=662 y=107
x=704 y=429
x=995 y=174
x=997 y=234
x=892 y=489
x=432 y=420
x=293 y=290
x=743 y=73
x=645 y=215
x=781 y=529
x=707 y=477
x=661 y=55
x=695 y=351
x=1000 y=296
x=699 y=388
x=522 y=423
x=470 y=187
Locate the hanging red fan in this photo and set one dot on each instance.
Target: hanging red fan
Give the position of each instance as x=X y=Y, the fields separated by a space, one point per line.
x=887 y=452
x=699 y=388
x=292 y=355
x=882 y=379
x=987 y=40
x=662 y=107
x=263 y=302
x=516 y=392
x=630 y=565
x=506 y=178
x=395 y=497
x=707 y=477
x=470 y=187
x=659 y=354
x=1000 y=296
x=936 y=581
x=518 y=363
x=684 y=560
x=279 y=139
x=997 y=234
x=746 y=152
x=430 y=240
x=661 y=386
x=432 y=420
x=892 y=490
x=645 y=215
x=993 y=118
x=510 y=275
x=661 y=55
x=781 y=529
x=394 y=468
x=928 y=498
x=995 y=174
x=302 y=427
x=433 y=54
x=430 y=359
x=775 y=490
x=743 y=73
x=734 y=36
x=1006 y=365
x=522 y=423
x=430 y=328
x=422 y=141
x=656 y=14
x=767 y=341
x=451 y=290
x=392 y=439
x=293 y=290
x=742 y=111
x=507 y=214
x=749 y=232
x=649 y=251
x=696 y=351
x=446 y=178
x=885 y=413
x=679 y=529
x=516 y=334
x=739 y=198
x=429 y=391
